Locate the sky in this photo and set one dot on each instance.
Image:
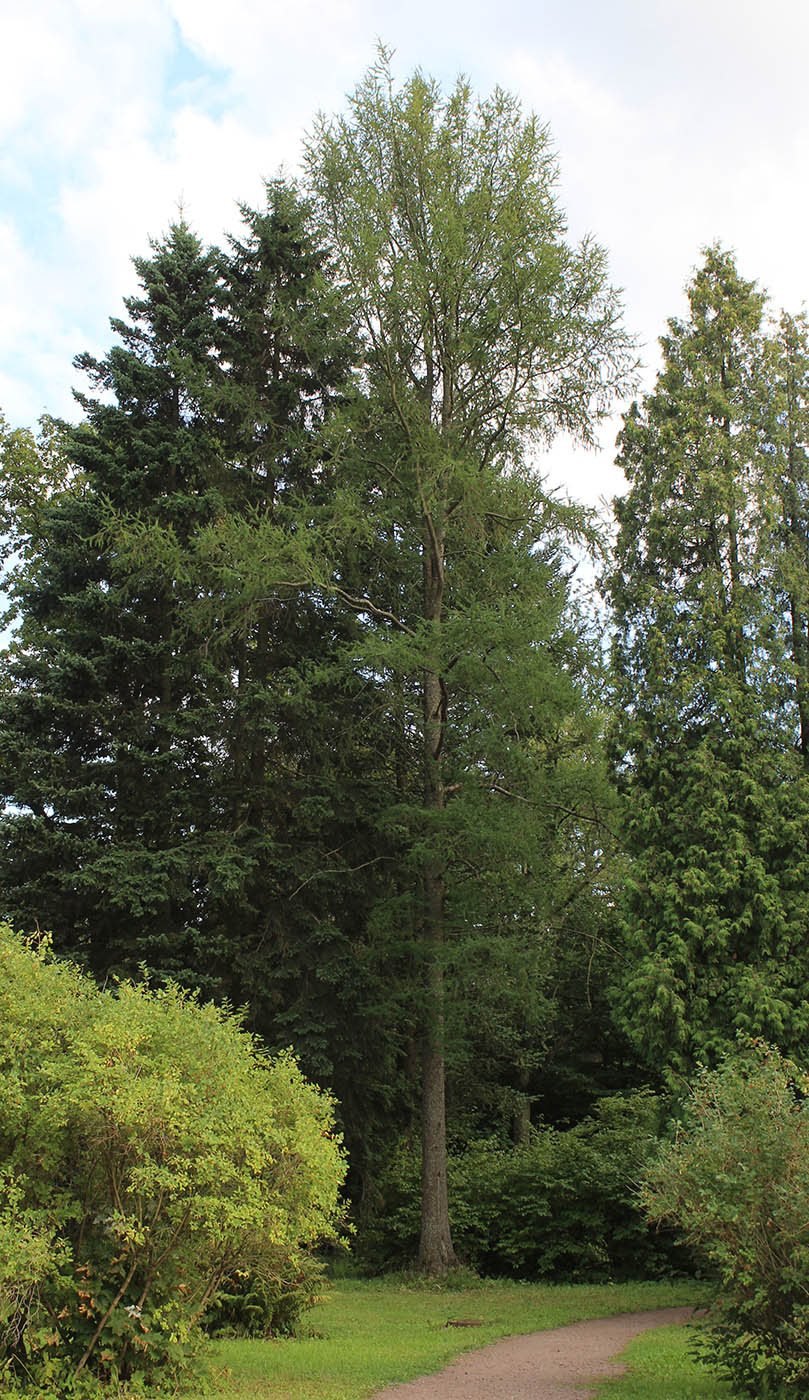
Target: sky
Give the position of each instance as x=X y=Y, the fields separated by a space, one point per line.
x=675 y=125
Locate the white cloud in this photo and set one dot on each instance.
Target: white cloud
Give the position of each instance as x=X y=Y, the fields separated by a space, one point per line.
x=208 y=166
x=38 y=333
x=675 y=124
x=71 y=66
x=283 y=61
x=713 y=155
x=256 y=34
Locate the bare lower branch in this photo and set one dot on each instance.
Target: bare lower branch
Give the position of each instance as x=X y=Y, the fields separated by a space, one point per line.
x=365 y=605
x=337 y=870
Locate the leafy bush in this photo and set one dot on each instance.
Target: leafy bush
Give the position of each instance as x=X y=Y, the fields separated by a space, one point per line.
x=562 y=1206
x=736 y=1182
x=148 y=1151
x=267 y=1298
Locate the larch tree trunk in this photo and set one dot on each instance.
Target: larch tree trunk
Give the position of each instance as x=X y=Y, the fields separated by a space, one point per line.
x=436 y=1252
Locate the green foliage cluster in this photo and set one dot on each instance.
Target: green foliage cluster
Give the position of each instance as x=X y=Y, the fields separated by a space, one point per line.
x=148 y=1152
x=296 y=708
x=735 y=1181
x=561 y=1206
x=269 y=1298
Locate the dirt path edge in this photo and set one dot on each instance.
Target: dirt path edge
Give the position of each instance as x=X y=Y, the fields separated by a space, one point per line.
x=540 y=1365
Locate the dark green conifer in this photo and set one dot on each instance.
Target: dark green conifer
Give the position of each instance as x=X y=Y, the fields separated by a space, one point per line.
x=706 y=736
x=105 y=757
x=193 y=766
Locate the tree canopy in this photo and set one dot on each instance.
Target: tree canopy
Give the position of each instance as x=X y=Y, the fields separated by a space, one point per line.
x=301 y=707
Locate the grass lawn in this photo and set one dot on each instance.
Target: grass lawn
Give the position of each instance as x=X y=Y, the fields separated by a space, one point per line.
x=663 y=1369
x=366 y=1335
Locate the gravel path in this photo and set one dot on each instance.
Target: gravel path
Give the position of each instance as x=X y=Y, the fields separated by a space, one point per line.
x=542 y=1366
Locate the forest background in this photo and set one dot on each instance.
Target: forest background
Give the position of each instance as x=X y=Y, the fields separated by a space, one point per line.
x=301 y=706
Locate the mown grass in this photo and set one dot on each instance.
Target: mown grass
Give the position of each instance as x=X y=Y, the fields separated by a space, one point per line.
x=662 y=1368
x=366 y=1335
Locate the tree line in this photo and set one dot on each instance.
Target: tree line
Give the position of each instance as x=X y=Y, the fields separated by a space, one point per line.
x=301 y=707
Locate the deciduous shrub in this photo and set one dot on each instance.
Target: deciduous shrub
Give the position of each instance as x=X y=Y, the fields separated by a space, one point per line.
x=148 y=1152
x=563 y=1206
x=736 y=1182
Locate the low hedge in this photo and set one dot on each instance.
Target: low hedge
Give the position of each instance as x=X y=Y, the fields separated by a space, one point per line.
x=563 y=1206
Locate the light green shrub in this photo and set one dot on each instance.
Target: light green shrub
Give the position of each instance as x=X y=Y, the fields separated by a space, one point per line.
x=148 y=1152
x=736 y=1182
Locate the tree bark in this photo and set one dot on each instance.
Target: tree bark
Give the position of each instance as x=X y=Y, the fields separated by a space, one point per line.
x=436 y=1252
x=521 y=1118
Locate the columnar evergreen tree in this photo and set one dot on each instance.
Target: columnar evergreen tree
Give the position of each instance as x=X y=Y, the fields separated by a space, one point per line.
x=484 y=333
x=706 y=730
x=784 y=451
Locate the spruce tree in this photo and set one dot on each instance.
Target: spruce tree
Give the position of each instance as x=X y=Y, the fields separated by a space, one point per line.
x=192 y=768
x=304 y=748
x=105 y=758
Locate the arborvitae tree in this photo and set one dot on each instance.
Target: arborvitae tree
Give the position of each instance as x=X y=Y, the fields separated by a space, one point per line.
x=784 y=454
x=706 y=737
x=484 y=332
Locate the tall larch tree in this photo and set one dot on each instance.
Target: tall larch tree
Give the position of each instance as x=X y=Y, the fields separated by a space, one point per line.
x=484 y=334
